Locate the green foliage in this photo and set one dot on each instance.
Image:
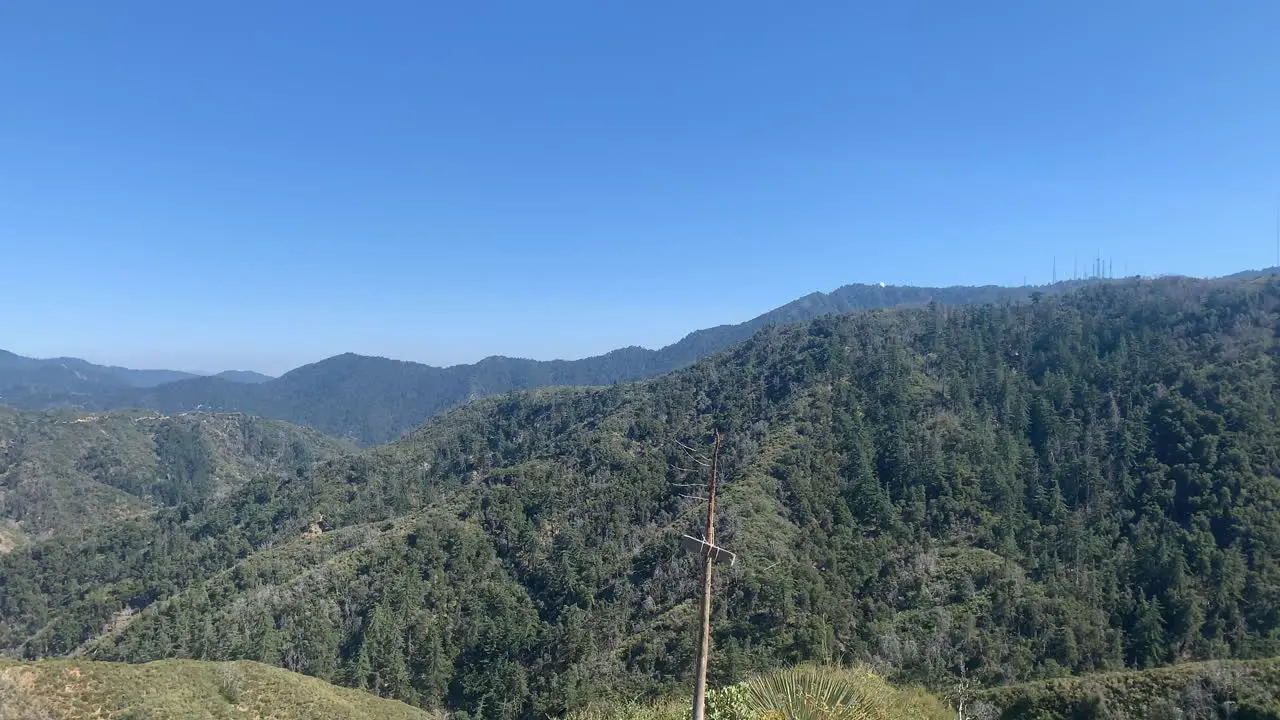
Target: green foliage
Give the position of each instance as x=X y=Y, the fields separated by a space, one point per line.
x=186 y=472
x=957 y=496
x=1211 y=690
x=730 y=703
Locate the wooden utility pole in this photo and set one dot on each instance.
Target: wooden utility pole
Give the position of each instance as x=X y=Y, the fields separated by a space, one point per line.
x=708 y=559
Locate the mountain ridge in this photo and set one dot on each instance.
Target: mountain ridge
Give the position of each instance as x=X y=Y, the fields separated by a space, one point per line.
x=371 y=399
x=375 y=399
x=73 y=375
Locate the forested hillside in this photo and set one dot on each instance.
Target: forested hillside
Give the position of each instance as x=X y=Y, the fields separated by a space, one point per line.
x=373 y=400
x=64 y=471
x=995 y=493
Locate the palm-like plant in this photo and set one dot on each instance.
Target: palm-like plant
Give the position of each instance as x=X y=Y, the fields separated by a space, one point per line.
x=832 y=693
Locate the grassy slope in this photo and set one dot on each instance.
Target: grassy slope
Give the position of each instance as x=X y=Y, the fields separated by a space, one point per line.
x=182 y=689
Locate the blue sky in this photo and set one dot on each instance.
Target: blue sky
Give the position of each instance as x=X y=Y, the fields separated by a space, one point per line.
x=259 y=184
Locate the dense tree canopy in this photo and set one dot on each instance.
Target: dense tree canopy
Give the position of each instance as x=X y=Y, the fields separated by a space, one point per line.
x=999 y=493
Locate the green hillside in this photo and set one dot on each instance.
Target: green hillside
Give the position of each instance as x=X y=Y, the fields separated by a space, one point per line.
x=1002 y=493
x=79 y=689
x=64 y=471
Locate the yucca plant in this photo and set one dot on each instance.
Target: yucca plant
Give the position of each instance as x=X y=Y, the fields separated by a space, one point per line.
x=802 y=693
x=833 y=693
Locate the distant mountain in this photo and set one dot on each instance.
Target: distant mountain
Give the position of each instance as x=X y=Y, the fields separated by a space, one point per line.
x=373 y=400
x=1252 y=274
x=51 y=382
x=243 y=376
x=73 y=375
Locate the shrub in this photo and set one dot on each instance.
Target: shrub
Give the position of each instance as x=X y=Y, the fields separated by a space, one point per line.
x=729 y=703
x=230 y=682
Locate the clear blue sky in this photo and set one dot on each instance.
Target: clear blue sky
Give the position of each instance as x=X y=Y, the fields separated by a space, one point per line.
x=259 y=184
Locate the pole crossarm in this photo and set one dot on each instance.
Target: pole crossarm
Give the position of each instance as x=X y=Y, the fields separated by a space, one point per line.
x=718 y=555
